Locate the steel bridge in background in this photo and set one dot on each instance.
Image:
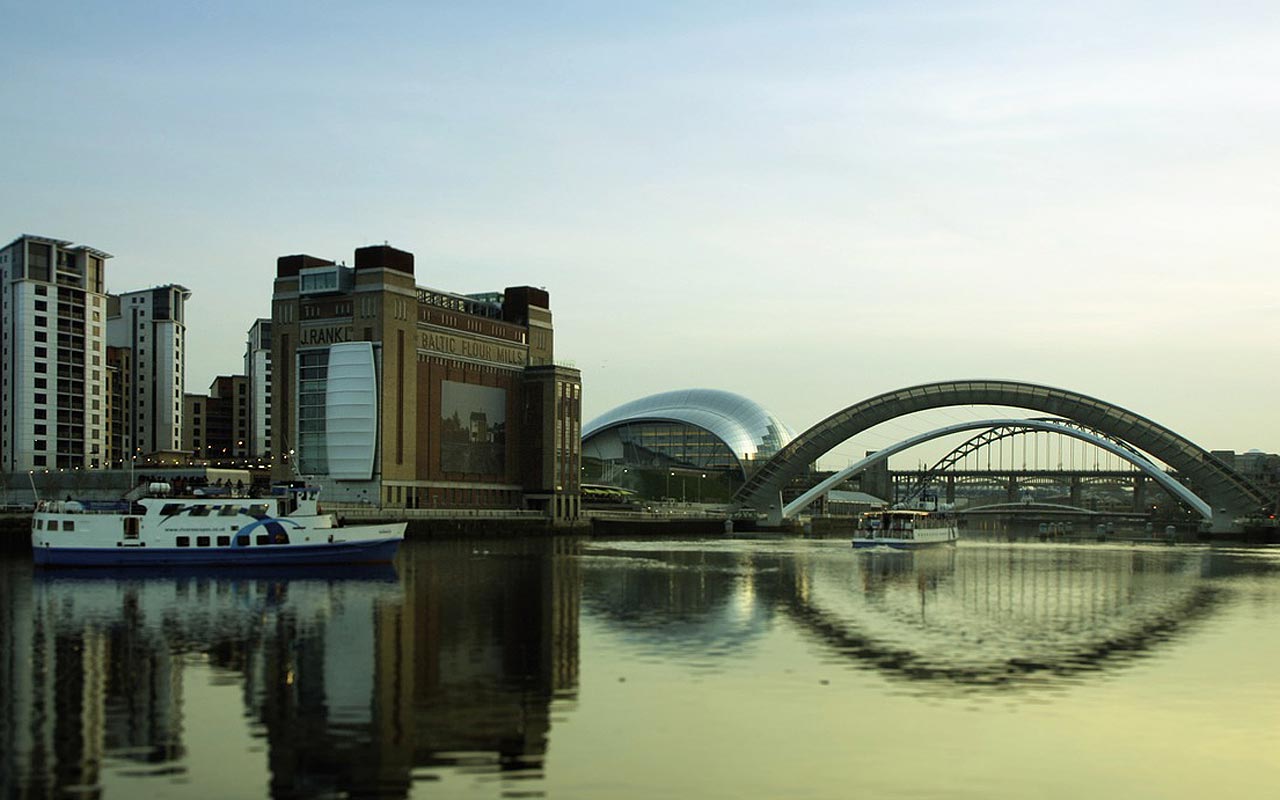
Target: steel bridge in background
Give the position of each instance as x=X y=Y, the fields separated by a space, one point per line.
x=1203 y=482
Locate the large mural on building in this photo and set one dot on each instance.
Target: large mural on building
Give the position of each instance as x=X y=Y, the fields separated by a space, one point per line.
x=473 y=422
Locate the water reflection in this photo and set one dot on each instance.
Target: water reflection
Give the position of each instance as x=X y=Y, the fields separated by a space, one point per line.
x=359 y=682
x=453 y=665
x=997 y=617
x=973 y=617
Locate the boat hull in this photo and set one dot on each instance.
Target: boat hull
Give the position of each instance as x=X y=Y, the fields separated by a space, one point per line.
x=373 y=551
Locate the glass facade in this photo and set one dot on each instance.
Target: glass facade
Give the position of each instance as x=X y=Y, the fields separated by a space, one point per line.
x=313 y=384
x=661 y=443
x=701 y=428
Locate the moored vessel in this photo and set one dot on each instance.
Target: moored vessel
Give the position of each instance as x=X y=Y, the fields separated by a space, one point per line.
x=284 y=529
x=905 y=529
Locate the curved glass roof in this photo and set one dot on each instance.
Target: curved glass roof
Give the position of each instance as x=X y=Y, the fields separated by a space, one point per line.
x=749 y=431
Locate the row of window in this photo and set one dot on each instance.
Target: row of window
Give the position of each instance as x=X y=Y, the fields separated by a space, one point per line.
x=67 y=525
x=225 y=541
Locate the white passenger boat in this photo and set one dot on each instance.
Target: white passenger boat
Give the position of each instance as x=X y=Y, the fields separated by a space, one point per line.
x=286 y=528
x=904 y=529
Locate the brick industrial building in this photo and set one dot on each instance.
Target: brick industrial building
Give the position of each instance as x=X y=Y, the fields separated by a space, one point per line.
x=386 y=391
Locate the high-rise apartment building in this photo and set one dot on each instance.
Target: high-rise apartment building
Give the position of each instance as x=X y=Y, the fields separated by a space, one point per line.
x=53 y=412
x=216 y=426
x=150 y=323
x=257 y=368
x=414 y=397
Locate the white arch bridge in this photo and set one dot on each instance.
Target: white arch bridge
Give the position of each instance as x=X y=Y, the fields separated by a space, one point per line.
x=1206 y=484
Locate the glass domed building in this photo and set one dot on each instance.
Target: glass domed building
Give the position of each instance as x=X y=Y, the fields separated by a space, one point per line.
x=682 y=432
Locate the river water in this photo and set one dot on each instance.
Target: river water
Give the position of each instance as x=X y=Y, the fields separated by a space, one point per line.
x=578 y=668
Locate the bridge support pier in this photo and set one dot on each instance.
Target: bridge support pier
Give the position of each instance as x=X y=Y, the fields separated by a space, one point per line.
x=951 y=490
x=1011 y=490
x=773 y=516
x=1140 y=493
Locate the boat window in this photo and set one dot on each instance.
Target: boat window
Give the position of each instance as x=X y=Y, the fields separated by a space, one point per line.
x=280 y=538
x=131 y=526
x=202 y=541
x=69 y=525
x=257 y=510
x=199 y=511
x=224 y=541
x=242 y=541
x=229 y=511
x=39 y=524
x=53 y=524
x=183 y=541
x=170 y=509
x=262 y=539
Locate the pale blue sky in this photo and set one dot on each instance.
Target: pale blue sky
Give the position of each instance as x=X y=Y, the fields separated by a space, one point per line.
x=807 y=203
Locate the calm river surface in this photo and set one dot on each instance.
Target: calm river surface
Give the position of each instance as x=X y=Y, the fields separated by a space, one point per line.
x=571 y=668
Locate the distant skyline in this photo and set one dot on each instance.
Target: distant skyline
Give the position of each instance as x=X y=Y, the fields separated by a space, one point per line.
x=806 y=203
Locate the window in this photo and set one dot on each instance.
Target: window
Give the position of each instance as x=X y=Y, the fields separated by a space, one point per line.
x=224 y=541
x=53 y=524
x=69 y=525
x=202 y=541
x=262 y=539
x=183 y=541
x=41 y=321
x=199 y=511
x=242 y=541
x=170 y=509
x=229 y=511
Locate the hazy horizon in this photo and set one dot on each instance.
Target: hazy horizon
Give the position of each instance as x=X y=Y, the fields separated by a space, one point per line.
x=807 y=205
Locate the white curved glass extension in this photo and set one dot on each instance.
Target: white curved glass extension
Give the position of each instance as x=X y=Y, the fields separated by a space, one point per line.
x=669 y=425
x=351 y=411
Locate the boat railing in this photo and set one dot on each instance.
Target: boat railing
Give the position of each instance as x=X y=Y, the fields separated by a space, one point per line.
x=116 y=507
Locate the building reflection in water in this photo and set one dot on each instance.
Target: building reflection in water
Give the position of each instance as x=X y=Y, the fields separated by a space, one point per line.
x=359 y=680
x=363 y=683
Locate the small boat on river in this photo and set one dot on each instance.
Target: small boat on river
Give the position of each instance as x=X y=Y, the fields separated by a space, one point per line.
x=287 y=528
x=904 y=529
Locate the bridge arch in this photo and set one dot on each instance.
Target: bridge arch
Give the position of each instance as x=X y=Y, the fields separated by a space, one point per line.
x=1229 y=493
x=1062 y=427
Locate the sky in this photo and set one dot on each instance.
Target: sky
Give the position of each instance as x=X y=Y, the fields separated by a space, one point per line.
x=806 y=203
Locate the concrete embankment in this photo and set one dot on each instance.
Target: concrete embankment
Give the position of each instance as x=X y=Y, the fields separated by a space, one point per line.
x=423 y=523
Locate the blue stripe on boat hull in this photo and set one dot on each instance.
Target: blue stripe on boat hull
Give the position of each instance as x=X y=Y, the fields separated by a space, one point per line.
x=370 y=552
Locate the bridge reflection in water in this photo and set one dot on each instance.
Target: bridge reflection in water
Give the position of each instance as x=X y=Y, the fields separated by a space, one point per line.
x=973 y=617
x=454 y=664
x=993 y=617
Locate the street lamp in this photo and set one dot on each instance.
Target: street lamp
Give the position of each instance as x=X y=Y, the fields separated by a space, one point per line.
x=670 y=475
x=700 y=477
